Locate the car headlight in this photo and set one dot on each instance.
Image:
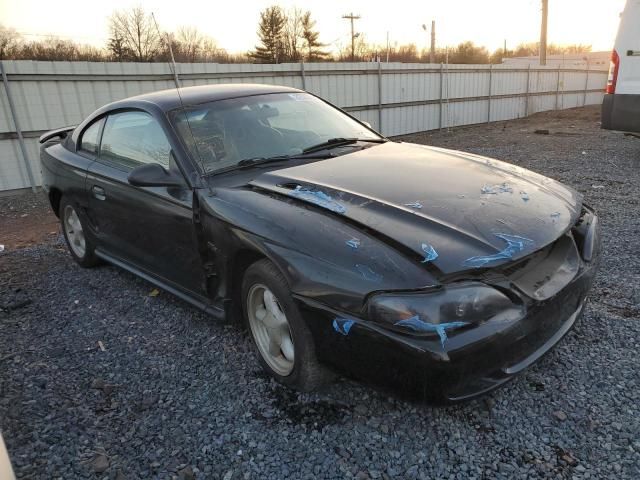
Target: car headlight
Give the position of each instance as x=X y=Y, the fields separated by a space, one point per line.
x=445 y=309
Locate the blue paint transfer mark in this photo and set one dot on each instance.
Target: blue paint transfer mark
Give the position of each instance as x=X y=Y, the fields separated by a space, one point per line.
x=524 y=196
x=416 y=324
x=368 y=274
x=342 y=325
x=416 y=204
x=430 y=253
x=317 y=197
x=515 y=244
x=353 y=243
x=496 y=189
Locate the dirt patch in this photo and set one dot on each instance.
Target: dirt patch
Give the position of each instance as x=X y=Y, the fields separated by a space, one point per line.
x=25 y=220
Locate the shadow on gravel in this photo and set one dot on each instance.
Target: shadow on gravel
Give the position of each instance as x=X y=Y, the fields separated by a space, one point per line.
x=288 y=406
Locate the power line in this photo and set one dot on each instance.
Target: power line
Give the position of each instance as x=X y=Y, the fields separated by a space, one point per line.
x=59 y=35
x=352 y=17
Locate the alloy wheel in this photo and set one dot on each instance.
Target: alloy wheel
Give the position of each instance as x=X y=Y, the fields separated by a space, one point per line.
x=74 y=232
x=270 y=329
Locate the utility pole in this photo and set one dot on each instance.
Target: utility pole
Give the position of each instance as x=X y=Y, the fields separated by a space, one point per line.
x=543 y=32
x=352 y=17
x=432 y=53
x=432 y=50
x=387 y=46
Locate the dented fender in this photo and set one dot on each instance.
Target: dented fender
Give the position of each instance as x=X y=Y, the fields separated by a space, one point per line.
x=321 y=256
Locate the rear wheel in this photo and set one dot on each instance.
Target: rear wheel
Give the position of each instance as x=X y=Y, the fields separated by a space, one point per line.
x=80 y=247
x=283 y=342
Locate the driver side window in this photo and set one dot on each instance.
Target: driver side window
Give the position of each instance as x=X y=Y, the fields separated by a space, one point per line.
x=133 y=138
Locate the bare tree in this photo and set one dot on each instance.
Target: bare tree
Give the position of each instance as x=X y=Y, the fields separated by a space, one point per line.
x=469 y=52
x=56 y=49
x=189 y=44
x=293 y=35
x=137 y=31
x=363 y=51
x=10 y=41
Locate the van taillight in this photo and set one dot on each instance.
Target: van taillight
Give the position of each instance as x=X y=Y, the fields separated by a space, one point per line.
x=613 y=72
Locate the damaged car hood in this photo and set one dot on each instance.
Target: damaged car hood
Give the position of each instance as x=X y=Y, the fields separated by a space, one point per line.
x=449 y=210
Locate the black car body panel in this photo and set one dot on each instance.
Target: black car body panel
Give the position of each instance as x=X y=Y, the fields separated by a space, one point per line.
x=471 y=364
x=411 y=194
x=392 y=217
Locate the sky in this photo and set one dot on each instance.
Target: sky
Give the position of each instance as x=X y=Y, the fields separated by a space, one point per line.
x=233 y=23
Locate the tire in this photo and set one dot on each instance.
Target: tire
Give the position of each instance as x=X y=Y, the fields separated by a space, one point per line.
x=303 y=372
x=74 y=230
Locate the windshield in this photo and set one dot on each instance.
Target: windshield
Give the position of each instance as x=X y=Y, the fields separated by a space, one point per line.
x=221 y=134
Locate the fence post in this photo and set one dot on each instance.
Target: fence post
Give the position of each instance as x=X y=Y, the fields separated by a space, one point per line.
x=16 y=122
x=526 y=97
x=586 y=85
x=489 y=100
x=441 y=90
x=379 y=96
x=304 y=81
x=557 y=87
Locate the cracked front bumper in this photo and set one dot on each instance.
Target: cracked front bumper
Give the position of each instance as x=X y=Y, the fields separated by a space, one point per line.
x=472 y=362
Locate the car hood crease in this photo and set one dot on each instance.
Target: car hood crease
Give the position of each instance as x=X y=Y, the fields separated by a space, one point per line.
x=424 y=197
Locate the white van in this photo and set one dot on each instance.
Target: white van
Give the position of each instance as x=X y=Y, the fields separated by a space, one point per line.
x=621 y=105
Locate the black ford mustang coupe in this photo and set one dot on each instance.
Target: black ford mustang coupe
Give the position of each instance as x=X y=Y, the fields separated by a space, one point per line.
x=440 y=272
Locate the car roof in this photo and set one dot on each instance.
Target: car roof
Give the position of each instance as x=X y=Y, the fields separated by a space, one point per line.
x=169 y=99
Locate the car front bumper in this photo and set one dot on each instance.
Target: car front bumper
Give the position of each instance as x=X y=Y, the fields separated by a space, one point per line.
x=470 y=363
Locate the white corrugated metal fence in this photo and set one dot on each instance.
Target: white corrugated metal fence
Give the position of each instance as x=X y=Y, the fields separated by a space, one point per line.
x=395 y=98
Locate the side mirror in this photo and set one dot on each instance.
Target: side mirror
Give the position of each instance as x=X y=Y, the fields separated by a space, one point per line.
x=154 y=175
x=366 y=124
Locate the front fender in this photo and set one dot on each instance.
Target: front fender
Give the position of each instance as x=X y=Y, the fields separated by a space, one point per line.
x=323 y=256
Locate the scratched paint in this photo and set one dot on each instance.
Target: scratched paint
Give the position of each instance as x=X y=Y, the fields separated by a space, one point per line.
x=416 y=205
x=368 y=274
x=515 y=244
x=496 y=189
x=416 y=324
x=318 y=197
x=353 y=243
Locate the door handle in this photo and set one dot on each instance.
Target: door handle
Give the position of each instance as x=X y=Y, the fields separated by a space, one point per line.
x=98 y=192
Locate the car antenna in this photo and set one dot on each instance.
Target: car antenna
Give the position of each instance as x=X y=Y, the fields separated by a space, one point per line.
x=174 y=71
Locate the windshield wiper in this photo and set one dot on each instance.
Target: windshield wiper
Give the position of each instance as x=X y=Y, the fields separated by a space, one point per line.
x=249 y=162
x=256 y=161
x=340 y=141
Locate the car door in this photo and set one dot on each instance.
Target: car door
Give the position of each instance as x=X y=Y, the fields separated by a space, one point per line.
x=149 y=228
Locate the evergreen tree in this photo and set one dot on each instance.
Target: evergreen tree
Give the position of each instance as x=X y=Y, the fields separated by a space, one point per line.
x=116 y=47
x=270 y=31
x=314 y=47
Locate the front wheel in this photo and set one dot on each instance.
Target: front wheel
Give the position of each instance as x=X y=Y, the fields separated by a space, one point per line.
x=80 y=247
x=283 y=342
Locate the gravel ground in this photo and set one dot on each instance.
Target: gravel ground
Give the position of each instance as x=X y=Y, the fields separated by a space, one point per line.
x=100 y=379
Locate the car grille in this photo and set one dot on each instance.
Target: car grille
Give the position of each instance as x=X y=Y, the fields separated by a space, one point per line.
x=546 y=272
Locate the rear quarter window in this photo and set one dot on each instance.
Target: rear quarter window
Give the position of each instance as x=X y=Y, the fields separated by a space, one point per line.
x=90 y=138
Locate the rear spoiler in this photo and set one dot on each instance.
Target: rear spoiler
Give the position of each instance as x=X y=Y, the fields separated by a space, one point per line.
x=57 y=133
